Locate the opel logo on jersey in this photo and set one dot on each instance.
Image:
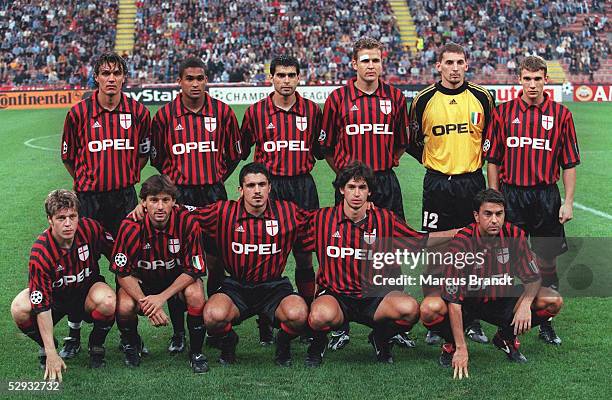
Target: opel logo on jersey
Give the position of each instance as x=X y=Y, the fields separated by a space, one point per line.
x=385 y=106
x=207 y=146
x=174 y=245
x=83 y=252
x=68 y=279
x=272 y=227
x=114 y=144
x=210 y=123
x=361 y=129
x=503 y=255
x=369 y=238
x=125 y=120
x=301 y=123
x=547 y=122
x=291 y=145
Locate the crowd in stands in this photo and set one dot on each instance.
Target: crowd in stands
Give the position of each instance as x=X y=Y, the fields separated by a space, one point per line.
x=238 y=38
x=52 y=42
x=497 y=33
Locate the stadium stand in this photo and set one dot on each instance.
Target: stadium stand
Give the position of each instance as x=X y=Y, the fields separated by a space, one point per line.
x=52 y=42
x=497 y=32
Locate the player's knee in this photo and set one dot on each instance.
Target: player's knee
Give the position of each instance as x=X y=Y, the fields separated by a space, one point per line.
x=194 y=295
x=408 y=309
x=431 y=309
x=320 y=317
x=106 y=304
x=126 y=306
x=295 y=311
x=21 y=307
x=554 y=304
x=215 y=315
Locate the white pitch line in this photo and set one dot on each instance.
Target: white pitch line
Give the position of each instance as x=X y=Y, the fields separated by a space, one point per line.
x=593 y=211
x=28 y=143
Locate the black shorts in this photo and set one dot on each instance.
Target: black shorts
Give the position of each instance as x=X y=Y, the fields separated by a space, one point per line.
x=536 y=211
x=108 y=208
x=257 y=298
x=447 y=199
x=355 y=309
x=74 y=305
x=498 y=312
x=387 y=194
x=300 y=189
x=200 y=196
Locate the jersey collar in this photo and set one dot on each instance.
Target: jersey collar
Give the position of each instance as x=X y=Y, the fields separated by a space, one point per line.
x=123 y=107
x=169 y=230
x=299 y=107
x=244 y=214
x=342 y=217
x=524 y=106
x=383 y=90
x=451 y=92
x=180 y=109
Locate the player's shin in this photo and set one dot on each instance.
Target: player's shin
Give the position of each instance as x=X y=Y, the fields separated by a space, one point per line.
x=197 y=331
x=30 y=328
x=102 y=325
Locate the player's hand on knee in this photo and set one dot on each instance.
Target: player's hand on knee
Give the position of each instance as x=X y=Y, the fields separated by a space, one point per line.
x=460 y=364
x=54 y=367
x=159 y=318
x=522 y=320
x=566 y=213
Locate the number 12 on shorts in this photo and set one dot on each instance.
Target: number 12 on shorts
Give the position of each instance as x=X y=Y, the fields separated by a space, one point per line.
x=430 y=220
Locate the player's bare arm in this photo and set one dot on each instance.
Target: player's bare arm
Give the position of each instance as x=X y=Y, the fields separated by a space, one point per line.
x=493 y=176
x=522 y=311
x=460 y=358
x=566 y=212
x=54 y=364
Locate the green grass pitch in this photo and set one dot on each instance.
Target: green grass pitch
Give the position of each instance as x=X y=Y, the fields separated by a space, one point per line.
x=577 y=369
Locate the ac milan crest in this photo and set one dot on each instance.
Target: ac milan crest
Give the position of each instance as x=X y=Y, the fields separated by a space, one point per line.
x=272 y=227
x=174 y=245
x=210 y=124
x=83 y=252
x=301 y=123
x=503 y=255
x=125 y=120
x=385 y=106
x=369 y=238
x=547 y=122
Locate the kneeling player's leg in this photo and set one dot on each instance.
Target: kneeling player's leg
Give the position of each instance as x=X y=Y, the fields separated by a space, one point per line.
x=127 y=322
x=433 y=313
x=194 y=298
x=397 y=312
x=325 y=314
x=291 y=314
x=100 y=304
x=21 y=311
x=219 y=313
x=547 y=304
x=304 y=275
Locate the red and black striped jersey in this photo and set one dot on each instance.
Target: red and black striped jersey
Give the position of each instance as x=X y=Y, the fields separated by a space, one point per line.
x=346 y=250
x=365 y=127
x=509 y=255
x=157 y=256
x=105 y=146
x=254 y=249
x=530 y=143
x=195 y=148
x=285 y=141
x=57 y=274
